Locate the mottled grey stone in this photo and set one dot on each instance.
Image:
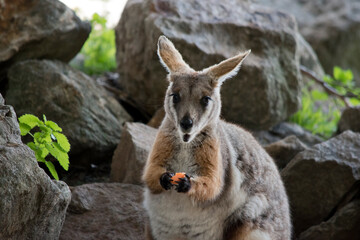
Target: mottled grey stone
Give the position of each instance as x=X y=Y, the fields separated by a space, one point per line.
x=317 y=179
x=90 y=118
x=106 y=211
x=32 y=206
x=266 y=89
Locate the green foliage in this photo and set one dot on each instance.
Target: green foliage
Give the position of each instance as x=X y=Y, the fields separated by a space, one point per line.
x=320 y=112
x=344 y=84
x=99 y=50
x=49 y=140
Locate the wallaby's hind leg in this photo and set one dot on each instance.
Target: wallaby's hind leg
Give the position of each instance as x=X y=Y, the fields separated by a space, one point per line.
x=245 y=232
x=148 y=234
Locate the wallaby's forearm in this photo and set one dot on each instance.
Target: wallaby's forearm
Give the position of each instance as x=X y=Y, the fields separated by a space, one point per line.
x=155 y=166
x=208 y=184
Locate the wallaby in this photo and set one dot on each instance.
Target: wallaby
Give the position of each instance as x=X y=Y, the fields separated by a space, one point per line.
x=232 y=188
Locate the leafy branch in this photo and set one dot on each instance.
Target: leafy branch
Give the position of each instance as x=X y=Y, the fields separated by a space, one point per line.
x=99 y=49
x=49 y=140
x=329 y=89
x=321 y=110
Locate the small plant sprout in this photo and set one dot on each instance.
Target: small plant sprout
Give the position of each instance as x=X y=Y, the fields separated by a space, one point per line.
x=49 y=140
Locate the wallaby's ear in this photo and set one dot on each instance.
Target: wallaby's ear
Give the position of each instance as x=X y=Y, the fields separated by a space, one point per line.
x=227 y=68
x=170 y=57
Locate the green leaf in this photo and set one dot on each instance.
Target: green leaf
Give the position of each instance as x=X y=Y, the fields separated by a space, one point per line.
x=337 y=73
x=328 y=79
x=349 y=75
x=45 y=129
x=38 y=157
x=62 y=141
x=32 y=146
x=354 y=101
x=53 y=126
x=30 y=120
x=319 y=95
x=42 y=137
x=52 y=169
x=57 y=152
x=24 y=128
x=44 y=152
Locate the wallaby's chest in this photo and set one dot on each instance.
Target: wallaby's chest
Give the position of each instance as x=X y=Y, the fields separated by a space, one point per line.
x=183 y=160
x=174 y=216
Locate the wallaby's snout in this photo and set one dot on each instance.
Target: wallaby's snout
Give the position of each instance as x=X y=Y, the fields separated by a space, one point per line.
x=186 y=123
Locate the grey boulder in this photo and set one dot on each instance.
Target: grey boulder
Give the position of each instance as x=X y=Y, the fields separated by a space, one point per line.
x=284 y=150
x=40 y=29
x=350 y=120
x=90 y=118
x=267 y=88
x=317 y=179
x=344 y=225
x=106 y=211
x=132 y=152
x=331 y=27
x=32 y=206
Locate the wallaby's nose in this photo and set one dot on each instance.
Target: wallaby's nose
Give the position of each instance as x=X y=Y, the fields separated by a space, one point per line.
x=186 y=123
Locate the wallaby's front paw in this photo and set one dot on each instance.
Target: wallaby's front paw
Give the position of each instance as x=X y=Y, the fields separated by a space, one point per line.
x=183 y=184
x=165 y=180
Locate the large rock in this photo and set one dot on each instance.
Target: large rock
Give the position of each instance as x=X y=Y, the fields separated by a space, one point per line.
x=350 y=120
x=308 y=57
x=332 y=28
x=317 y=179
x=284 y=150
x=131 y=153
x=39 y=29
x=106 y=211
x=31 y=205
x=207 y=32
x=283 y=130
x=344 y=225
x=90 y=118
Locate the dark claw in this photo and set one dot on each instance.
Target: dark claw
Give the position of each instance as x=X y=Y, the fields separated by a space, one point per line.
x=183 y=185
x=165 y=180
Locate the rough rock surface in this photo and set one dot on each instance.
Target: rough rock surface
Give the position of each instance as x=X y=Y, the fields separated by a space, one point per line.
x=283 y=130
x=332 y=28
x=344 y=225
x=31 y=205
x=131 y=153
x=207 y=32
x=284 y=150
x=39 y=29
x=317 y=179
x=90 y=119
x=308 y=57
x=157 y=119
x=106 y=211
x=350 y=120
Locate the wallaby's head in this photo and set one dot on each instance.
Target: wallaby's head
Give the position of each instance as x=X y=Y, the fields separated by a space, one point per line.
x=192 y=100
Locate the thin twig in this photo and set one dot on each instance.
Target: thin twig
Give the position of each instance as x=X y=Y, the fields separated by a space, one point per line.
x=330 y=90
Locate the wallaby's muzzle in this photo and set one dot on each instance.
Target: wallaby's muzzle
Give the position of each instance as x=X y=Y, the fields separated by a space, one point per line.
x=186 y=123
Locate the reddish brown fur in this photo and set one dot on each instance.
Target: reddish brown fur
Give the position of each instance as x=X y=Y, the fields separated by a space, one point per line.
x=209 y=183
x=155 y=166
x=240 y=233
x=148 y=234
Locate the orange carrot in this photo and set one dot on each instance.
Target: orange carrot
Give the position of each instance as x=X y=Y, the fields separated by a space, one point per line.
x=177 y=177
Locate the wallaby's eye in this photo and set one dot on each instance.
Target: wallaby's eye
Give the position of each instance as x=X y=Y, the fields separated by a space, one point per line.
x=205 y=100
x=176 y=98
